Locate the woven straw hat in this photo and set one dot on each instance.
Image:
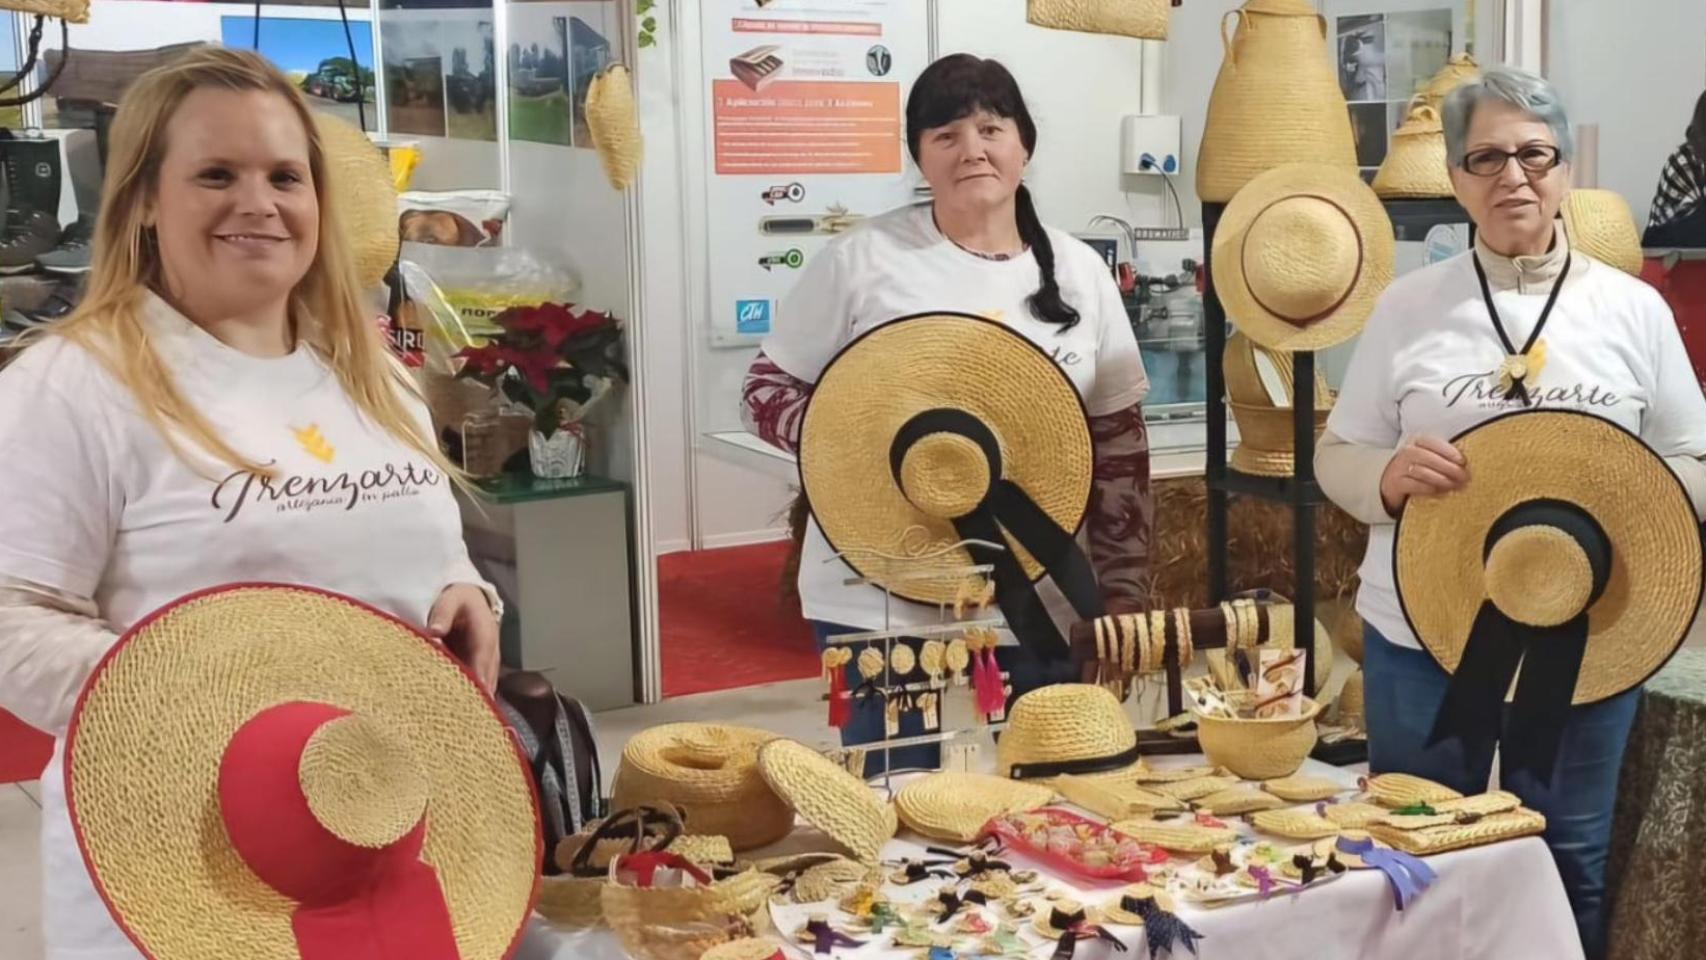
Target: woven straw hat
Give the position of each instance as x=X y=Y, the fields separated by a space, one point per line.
x=956 y=806
x=749 y=949
x=1045 y=922
x=365 y=194
x=710 y=772
x=1073 y=728
x=1143 y=19
x=250 y=768
x=1122 y=909
x=1455 y=73
x=1275 y=100
x=614 y=122
x=828 y=797
x=1639 y=610
x=885 y=380
x=1301 y=255
x=1415 y=166
x=1259 y=385
x=1600 y=224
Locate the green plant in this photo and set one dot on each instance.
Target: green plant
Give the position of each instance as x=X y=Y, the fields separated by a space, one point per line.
x=553 y=359
x=644 y=9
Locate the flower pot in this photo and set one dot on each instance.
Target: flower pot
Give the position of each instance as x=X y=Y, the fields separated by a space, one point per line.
x=561 y=455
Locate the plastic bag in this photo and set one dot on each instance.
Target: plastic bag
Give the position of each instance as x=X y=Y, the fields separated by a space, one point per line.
x=478 y=283
x=453 y=218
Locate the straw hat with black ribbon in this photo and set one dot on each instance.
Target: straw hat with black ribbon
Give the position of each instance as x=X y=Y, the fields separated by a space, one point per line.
x=1074 y=728
x=1600 y=224
x=1143 y=19
x=1300 y=256
x=1573 y=554
x=938 y=428
x=1259 y=389
x=275 y=772
x=1276 y=100
x=362 y=188
x=1415 y=165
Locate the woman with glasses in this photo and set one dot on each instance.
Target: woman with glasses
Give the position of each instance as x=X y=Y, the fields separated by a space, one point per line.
x=1520 y=321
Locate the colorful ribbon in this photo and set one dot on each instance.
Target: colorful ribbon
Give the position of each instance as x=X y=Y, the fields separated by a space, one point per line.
x=824 y=938
x=1163 y=930
x=1407 y=875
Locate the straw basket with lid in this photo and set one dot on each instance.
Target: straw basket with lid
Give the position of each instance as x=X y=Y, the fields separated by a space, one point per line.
x=249 y=773
x=1600 y=224
x=1067 y=728
x=710 y=772
x=1259 y=385
x=1571 y=562
x=1415 y=165
x=1275 y=100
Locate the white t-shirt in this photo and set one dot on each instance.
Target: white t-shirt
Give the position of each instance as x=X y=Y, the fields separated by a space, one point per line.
x=97 y=504
x=900 y=264
x=1425 y=365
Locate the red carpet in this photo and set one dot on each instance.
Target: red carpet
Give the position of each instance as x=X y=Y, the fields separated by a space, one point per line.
x=724 y=622
x=24 y=750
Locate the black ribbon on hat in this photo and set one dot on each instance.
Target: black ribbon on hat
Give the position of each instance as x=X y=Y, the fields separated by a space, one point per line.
x=1005 y=506
x=1056 y=768
x=1550 y=657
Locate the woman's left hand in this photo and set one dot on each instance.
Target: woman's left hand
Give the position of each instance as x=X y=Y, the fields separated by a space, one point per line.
x=462 y=619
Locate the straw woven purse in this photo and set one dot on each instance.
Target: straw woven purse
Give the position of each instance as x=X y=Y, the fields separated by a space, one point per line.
x=1143 y=19
x=1444 y=837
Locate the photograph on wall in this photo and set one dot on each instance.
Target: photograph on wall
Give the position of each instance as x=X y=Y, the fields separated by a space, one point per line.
x=1418 y=43
x=1371 y=129
x=470 y=82
x=315 y=54
x=590 y=50
x=1362 y=57
x=538 y=62
x=414 y=76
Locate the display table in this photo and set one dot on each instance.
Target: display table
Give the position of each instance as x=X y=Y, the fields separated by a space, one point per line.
x=1659 y=836
x=1491 y=903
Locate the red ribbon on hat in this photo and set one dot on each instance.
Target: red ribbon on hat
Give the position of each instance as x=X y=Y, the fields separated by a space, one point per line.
x=353 y=902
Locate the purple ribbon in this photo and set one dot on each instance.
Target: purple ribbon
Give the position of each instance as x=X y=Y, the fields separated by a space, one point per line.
x=1264 y=880
x=1407 y=875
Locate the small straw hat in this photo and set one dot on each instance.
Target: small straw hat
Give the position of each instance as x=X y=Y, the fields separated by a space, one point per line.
x=1053 y=922
x=1301 y=255
x=1143 y=19
x=1415 y=165
x=1259 y=390
x=1477 y=546
x=955 y=806
x=1122 y=909
x=249 y=773
x=365 y=194
x=828 y=797
x=1073 y=728
x=710 y=772
x=1600 y=224
x=614 y=123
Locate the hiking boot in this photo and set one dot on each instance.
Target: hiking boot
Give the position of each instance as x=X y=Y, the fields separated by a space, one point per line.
x=28 y=235
x=72 y=253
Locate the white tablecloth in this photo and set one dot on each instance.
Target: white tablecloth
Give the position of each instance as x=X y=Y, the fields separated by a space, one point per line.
x=1499 y=902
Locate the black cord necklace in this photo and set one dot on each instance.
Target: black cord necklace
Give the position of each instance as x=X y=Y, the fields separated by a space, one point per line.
x=1520 y=366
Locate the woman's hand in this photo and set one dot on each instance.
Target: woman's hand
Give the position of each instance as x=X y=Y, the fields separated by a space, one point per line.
x=1425 y=468
x=462 y=619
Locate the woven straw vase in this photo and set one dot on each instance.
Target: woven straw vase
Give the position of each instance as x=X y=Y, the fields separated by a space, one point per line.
x=711 y=774
x=1275 y=101
x=1260 y=749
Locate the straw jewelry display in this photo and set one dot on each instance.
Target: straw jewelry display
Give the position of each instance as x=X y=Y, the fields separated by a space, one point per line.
x=1143 y=19
x=828 y=797
x=614 y=122
x=711 y=773
x=1600 y=224
x=956 y=806
x=1300 y=256
x=959 y=427
x=1415 y=164
x=361 y=187
x=249 y=772
x=1304 y=789
x=1067 y=728
x=1573 y=554
x=1275 y=101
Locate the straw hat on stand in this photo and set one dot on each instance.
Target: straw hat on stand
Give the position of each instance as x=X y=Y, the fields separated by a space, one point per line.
x=1275 y=101
x=1600 y=224
x=1143 y=19
x=1415 y=166
x=1259 y=385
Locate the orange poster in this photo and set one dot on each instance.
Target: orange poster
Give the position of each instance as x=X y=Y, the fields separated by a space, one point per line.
x=799 y=127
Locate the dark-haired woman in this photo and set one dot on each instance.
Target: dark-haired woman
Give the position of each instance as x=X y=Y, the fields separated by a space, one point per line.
x=978 y=247
x=1678 y=217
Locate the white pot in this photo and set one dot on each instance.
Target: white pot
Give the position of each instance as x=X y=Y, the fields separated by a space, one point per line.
x=560 y=456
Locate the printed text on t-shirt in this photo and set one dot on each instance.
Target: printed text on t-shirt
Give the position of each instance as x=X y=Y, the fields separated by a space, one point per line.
x=306 y=494
x=1483 y=388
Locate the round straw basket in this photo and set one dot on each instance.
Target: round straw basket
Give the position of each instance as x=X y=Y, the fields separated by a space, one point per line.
x=711 y=773
x=1260 y=749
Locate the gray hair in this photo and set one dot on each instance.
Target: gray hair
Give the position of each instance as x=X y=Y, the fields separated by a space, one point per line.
x=1519 y=88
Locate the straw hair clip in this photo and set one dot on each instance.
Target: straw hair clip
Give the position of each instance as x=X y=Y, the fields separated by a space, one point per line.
x=933 y=658
x=870 y=663
x=823 y=938
x=891 y=715
x=902 y=659
x=927 y=705
x=912 y=871
x=957 y=658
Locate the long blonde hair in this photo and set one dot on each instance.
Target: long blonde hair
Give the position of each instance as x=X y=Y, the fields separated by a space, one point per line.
x=326 y=304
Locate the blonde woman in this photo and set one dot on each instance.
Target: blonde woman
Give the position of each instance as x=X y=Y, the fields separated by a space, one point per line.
x=220 y=408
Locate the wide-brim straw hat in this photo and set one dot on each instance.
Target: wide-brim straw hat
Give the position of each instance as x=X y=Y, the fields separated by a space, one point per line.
x=956 y=806
x=1276 y=100
x=1457 y=71
x=282 y=733
x=1300 y=256
x=1143 y=19
x=365 y=194
x=614 y=122
x=710 y=773
x=888 y=528
x=1415 y=164
x=1640 y=607
x=1600 y=224
x=1067 y=728
x=828 y=797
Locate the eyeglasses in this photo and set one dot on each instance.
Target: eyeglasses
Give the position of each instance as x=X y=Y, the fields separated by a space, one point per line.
x=1491 y=161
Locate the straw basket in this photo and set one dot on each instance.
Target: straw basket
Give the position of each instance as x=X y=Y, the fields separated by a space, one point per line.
x=1415 y=166
x=711 y=773
x=574 y=899
x=1275 y=100
x=1260 y=749
x=689 y=941
x=681 y=923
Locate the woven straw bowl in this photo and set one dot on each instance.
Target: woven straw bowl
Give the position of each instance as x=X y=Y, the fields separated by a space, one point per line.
x=711 y=774
x=364 y=193
x=1066 y=721
x=1260 y=749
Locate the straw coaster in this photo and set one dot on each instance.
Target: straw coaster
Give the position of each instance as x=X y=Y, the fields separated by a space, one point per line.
x=1522 y=822
x=1294 y=824
x=1304 y=789
x=1179 y=837
x=956 y=806
x=745 y=950
x=1112 y=799
x=1237 y=800
x=1354 y=816
x=361 y=187
x=1147 y=774
x=710 y=773
x=1404 y=790
x=828 y=797
x=1195 y=789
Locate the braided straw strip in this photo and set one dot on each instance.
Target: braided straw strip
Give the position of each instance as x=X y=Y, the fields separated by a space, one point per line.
x=1295 y=824
x=1177 y=837
x=1304 y=789
x=1112 y=799
x=1521 y=822
x=956 y=806
x=1354 y=816
x=1195 y=789
x=1403 y=790
x=1236 y=800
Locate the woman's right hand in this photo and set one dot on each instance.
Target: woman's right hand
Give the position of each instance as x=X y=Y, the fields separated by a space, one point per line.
x=1425 y=468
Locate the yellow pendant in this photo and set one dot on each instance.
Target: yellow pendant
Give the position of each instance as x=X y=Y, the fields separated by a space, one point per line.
x=1522 y=368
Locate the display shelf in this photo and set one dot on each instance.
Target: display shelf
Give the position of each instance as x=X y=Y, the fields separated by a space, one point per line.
x=512 y=488
x=1412 y=219
x=1282 y=489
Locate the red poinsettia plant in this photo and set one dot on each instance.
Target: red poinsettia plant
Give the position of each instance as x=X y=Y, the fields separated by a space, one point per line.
x=555 y=359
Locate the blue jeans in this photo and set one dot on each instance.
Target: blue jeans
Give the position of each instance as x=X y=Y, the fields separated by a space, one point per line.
x=1403 y=691
x=1025 y=673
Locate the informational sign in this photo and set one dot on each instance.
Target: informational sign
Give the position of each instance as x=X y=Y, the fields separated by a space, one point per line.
x=804 y=138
